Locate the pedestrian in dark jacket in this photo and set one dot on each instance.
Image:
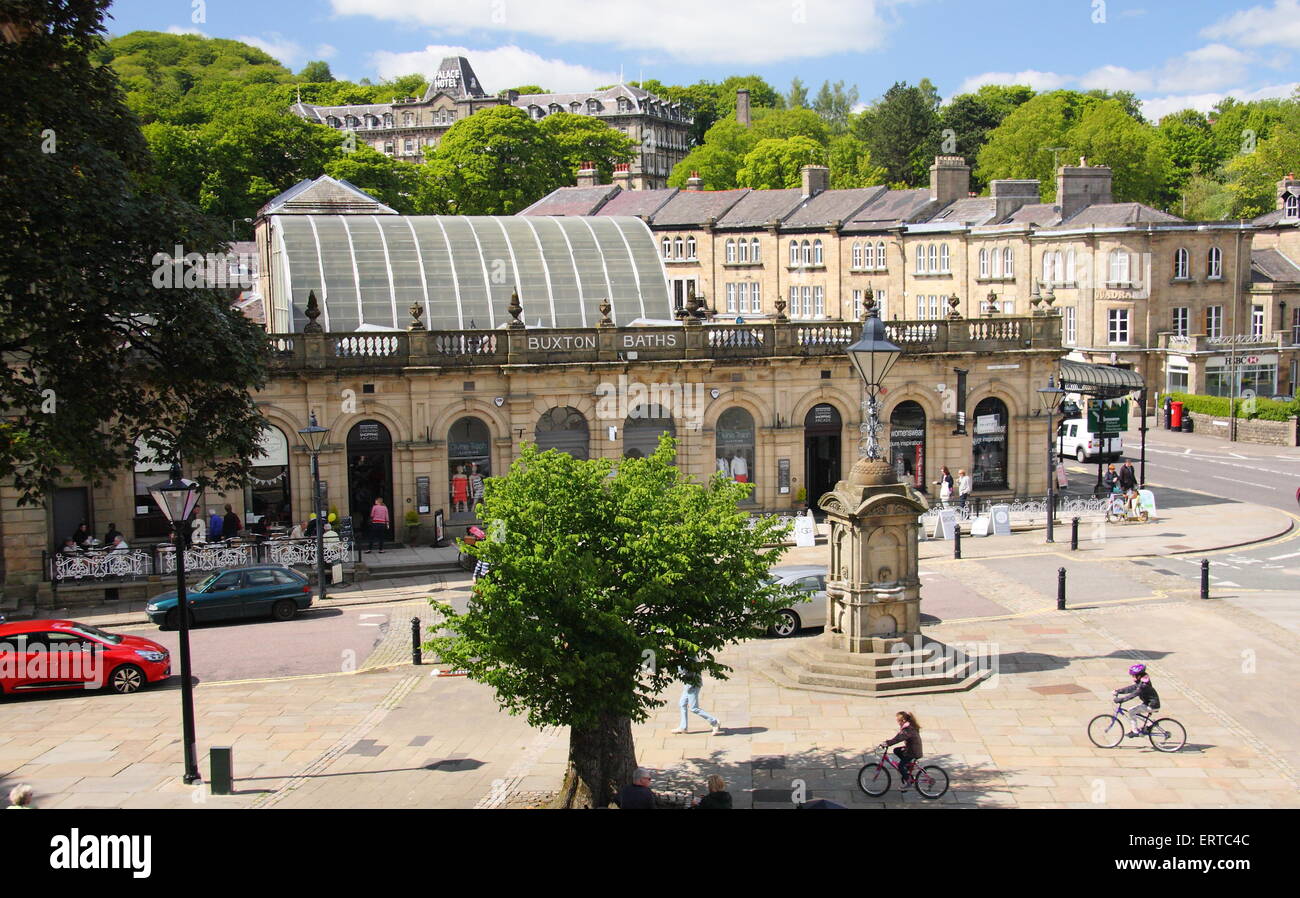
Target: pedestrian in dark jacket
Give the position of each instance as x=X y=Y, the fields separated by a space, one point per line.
x=216 y=524
x=82 y=535
x=909 y=733
x=636 y=795
x=230 y=525
x=1127 y=477
x=718 y=798
x=1111 y=480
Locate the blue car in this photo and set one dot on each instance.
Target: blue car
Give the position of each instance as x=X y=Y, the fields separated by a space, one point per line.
x=264 y=590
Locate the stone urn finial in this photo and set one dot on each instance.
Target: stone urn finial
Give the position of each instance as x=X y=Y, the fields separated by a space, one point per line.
x=312 y=312
x=417 y=312
x=780 y=310
x=515 y=309
x=953 y=302
x=605 y=309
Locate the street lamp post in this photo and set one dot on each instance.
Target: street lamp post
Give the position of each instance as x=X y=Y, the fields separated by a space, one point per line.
x=314 y=436
x=1050 y=396
x=176 y=498
x=873 y=355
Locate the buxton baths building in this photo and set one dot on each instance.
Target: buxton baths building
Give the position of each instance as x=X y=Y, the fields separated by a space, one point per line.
x=404 y=336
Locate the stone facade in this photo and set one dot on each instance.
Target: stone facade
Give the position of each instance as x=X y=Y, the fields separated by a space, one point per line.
x=1267 y=433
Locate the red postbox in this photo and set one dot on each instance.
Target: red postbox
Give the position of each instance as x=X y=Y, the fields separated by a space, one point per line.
x=1176 y=415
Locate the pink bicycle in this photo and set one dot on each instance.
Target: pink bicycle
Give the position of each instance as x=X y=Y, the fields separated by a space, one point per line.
x=873 y=779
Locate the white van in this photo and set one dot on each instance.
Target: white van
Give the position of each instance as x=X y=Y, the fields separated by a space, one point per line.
x=1073 y=439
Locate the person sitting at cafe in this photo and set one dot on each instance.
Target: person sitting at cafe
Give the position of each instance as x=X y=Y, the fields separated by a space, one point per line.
x=309 y=530
x=119 y=544
x=230 y=524
x=296 y=532
x=70 y=547
x=82 y=536
x=111 y=534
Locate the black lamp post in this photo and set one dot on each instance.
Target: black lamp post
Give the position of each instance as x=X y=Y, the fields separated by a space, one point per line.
x=314 y=436
x=176 y=498
x=873 y=355
x=1050 y=396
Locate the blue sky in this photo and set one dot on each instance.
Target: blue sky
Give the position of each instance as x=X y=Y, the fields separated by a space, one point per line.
x=1172 y=54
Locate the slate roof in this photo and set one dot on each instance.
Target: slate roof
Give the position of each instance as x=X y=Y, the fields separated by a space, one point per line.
x=638 y=202
x=1045 y=215
x=572 y=201
x=325 y=196
x=758 y=207
x=1271 y=266
x=467 y=85
x=969 y=211
x=831 y=206
x=694 y=207
x=1118 y=214
x=891 y=208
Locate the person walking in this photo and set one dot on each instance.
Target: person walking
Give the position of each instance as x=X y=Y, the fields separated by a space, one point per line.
x=690 y=702
x=215 y=526
x=1111 y=480
x=963 y=488
x=20 y=798
x=230 y=524
x=718 y=798
x=944 y=483
x=379 y=521
x=1127 y=477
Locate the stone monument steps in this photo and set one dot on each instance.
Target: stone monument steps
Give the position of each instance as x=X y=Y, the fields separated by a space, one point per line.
x=793 y=677
x=877 y=661
x=892 y=669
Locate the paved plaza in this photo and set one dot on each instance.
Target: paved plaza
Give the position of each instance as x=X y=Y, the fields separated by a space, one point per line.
x=389 y=734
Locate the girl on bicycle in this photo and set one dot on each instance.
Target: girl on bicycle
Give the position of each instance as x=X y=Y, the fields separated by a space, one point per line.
x=1149 y=701
x=909 y=733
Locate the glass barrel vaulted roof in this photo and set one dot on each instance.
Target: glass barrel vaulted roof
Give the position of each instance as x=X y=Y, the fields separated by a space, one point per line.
x=369 y=269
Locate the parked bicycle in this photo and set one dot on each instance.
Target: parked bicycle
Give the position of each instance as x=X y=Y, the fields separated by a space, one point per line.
x=1107 y=730
x=1120 y=510
x=930 y=781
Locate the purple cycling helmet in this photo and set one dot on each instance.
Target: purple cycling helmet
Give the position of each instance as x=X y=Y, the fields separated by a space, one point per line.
x=1137 y=669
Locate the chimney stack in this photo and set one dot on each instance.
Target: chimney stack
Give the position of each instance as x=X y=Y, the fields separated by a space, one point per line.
x=815 y=178
x=695 y=182
x=1082 y=186
x=949 y=179
x=742 y=106
x=623 y=176
x=1285 y=188
x=588 y=176
x=1009 y=195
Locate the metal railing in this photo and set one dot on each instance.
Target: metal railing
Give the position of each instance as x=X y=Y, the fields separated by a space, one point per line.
x=139 y=564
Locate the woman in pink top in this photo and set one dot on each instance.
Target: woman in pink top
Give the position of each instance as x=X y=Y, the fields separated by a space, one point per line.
x=379 y=521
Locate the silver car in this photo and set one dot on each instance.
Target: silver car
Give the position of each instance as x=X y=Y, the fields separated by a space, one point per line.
x=810 y=581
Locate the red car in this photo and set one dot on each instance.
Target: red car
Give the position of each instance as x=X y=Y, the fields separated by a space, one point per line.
x=38 y=655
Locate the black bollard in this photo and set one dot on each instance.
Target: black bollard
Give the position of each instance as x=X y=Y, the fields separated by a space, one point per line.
x=1074 y=534
x=956 y=540
x=416 y=656
x=1205 y=578
x=222 y=761
x=1060 y=589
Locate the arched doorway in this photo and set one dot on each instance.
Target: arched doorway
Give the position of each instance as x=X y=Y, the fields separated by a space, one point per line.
x=266 y=497
x=370 y=471
x=822 y=431
x=641 y=430
x=907 y=443
x=564 y=428
x=989 y=445
x=734 y=437
x=469 y=460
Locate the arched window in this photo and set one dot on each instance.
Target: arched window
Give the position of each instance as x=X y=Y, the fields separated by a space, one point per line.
x=794 y=253
x=333 y=121
x=805 y=249
x=984 y=263
x=690 y=247
x=554 y=108
x=934 y=258
x=1069 y=266
x=1291 y=206
x=535 y=111
x=989 y=445
x=593 y=106
x=907 y=443
x=995 y=262
x=1008 y=262
x=468 y=461
x=920 y=259
x=1181 y=263
x=678 y=246
x=564 y=428
x=266 y=497
x=1215 y=267
x=371 y=121
x=817 y=252
x=742 y=250
x=408 y=118
x=1049 y=275
x=352 y=121
x=668 y=248
x=753 y=251
x=880 y=254
x=1059 y=265
x=731 y=251
x=641 y=430
x=943 y=258
x=1119 y=267
x=734 y=440
x=857 y=255
x=575 y=107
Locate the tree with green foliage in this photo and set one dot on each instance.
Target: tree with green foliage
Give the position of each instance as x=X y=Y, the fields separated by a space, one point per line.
x=1106 y=134
x=774 y=163
x=525 y=89
x=1187 y=143
x=1020 y=146
x=851 y=165
x=761 y=94
x=721 y=156
x=391 y=181
x=967 y=120
x=1252 y=177
x=580 y=138
x=494 y=162
x=99 y=348
x=605 y=579
x=835 y=105
x=316 y=71
x=797 y=98
x=901 y=130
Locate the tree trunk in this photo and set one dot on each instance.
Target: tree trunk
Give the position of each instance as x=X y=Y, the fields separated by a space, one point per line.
x=601 y=761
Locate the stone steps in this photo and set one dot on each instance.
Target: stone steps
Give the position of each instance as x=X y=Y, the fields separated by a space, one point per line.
x=780 y=677
x=932 y=669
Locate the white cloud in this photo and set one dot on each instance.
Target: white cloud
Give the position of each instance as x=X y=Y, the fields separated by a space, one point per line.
x=1039 y=81
x=1260 y=26
x=1154 y=108
x=1115 y=77
x=290 y=53
x=497 y=69
x=1204 y=68
x=760 y=31
x=325 y=51
x=177 y=29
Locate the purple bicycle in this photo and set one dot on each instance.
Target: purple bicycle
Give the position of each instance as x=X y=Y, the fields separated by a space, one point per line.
x=873 y=779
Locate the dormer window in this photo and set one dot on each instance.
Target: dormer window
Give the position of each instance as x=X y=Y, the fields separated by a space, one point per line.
x=1291 y=206
x=593 y=106
x=554 y=108
x=333 y=122
x=388 y=120
x=352 y=121
x=574 y=107
x=535 y=111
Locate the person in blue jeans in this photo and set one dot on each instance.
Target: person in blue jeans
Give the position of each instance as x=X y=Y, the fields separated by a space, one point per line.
x=690 y=701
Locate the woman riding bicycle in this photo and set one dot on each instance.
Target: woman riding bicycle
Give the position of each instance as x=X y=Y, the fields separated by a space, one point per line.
x=909 y=733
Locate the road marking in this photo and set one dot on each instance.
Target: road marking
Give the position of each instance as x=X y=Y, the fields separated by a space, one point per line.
x=1185 y=451
x=1281 y=557
x=1236 y=455
x=1266 y=486
x=361 y=619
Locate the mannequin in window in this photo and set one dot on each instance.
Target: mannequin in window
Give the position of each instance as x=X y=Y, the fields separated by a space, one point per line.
x=460 y=490
x=739 y=468
x=724 y=465
x=475 y=485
